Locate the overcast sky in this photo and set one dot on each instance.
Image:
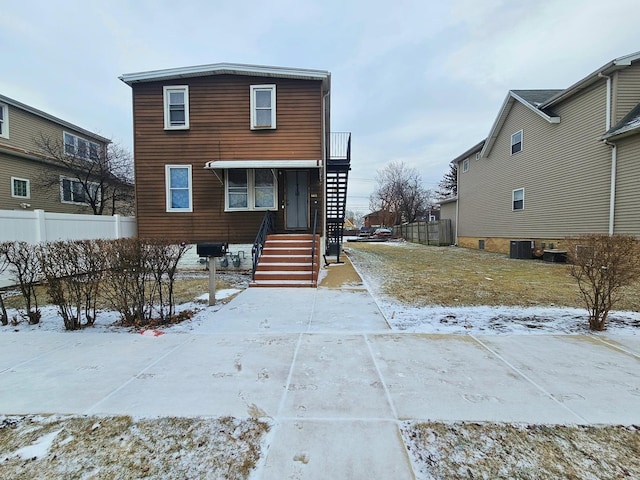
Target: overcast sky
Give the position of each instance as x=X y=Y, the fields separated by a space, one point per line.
x=418 y=81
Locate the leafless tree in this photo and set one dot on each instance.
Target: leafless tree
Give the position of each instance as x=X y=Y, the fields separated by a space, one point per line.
x=602 y=265
x=400 y=191
x=100 y=177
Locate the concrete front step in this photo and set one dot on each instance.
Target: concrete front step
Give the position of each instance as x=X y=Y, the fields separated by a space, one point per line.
x=285 y=266
x=286 y=261
x=282 y=283
x=283 y=275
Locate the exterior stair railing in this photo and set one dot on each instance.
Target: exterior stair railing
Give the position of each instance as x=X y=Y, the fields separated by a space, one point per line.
x=256 y=251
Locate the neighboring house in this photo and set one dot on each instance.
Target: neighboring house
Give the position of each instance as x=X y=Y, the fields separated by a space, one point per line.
x=379 y=218
x=218 y=146
x=556 y=163
x=28 y=178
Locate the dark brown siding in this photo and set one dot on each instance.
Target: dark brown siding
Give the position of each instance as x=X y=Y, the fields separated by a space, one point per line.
x=219 y=130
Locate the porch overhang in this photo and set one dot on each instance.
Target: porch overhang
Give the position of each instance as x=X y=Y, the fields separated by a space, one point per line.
x=282 y=164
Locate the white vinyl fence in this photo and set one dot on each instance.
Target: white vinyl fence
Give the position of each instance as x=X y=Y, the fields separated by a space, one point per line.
x=40 y=226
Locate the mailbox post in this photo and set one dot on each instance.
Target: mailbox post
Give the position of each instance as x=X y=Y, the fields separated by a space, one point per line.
x=212 y=250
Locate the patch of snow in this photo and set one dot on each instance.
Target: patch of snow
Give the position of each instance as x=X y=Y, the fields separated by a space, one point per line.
x=36 y=450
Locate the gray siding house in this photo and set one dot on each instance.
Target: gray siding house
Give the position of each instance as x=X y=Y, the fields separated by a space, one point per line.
x=556 y=163
x=26 y=174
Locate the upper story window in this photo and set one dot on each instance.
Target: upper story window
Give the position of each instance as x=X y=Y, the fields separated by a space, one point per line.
x=518 y=199
x=4 y=120
x=176 y=107
x=477 y=155
x=516 y=142
x=20 y=188
x=250 y=189
x=79 y=147
x=465 y=165
x=72 y=190
x=263 y=107
x=178 y=188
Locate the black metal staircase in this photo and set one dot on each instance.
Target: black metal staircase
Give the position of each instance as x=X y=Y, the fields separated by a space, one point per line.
x=338 y=166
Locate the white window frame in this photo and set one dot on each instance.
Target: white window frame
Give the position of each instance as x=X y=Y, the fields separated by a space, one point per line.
x=258 y=88
x=167 y=176
x=513 y=200
x=166 y=90
x=514 y=143
x=465 y=165
x=251 y=192
x=477 y=155
x=4 y=124
x=13 y=189
x=76 y=142
x=74 y=180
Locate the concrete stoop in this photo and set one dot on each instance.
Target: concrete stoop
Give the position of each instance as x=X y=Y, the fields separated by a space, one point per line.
x=286 y=261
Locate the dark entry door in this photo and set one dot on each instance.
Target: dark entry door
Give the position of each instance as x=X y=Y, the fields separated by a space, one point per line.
x=297 y=200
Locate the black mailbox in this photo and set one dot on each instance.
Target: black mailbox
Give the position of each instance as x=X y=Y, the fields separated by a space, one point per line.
x=212 y=249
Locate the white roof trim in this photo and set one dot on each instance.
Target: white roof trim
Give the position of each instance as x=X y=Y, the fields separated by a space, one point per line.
x=226 y=164
x=502 y=116
x=225 y=68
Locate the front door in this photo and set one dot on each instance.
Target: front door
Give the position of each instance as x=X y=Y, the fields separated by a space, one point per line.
x=297 y=200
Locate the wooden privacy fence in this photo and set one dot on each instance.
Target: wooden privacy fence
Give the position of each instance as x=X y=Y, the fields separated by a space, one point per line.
x=428 y=233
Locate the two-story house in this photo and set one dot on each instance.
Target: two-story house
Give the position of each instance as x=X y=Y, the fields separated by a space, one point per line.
x=556 y=163
x=223 y=149
x=31 y=179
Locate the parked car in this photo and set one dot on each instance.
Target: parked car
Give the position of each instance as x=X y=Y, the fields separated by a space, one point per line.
x=382 y=233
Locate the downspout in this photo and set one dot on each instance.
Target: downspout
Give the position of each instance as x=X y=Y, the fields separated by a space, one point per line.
x=614 y=156
x=457 y=202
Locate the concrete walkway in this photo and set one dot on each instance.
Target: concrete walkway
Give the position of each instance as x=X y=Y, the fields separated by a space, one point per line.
x=325 y=367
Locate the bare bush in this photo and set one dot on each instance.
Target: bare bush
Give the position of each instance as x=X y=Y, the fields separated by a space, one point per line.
x=73 y=270
x=24 y=266
x=602 y=265
x=141 y=278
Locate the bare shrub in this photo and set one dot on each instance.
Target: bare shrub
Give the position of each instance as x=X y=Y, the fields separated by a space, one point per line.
x=140 y=280
x=24 y=266
x=4 y=318
x=602 y=265
x=73 y=270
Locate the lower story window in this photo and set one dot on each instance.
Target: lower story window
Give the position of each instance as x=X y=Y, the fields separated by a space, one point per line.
x=251 y=189
x=73 y=190
x=178 y=186
x=20 y=188
x=518 y=199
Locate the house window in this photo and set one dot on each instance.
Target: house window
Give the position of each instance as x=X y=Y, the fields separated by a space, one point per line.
x=4 y=120
x=263 y=107
x=518 y=199
x=20 y=188
x=176 y=107
x=73 y=191
x=178 y=185
x=516 y=142
x=79 y=147
x=465 y=165
x=477 y=155
x=250 y=189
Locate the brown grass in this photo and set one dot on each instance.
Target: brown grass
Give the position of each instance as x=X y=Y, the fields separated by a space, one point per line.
x=425 y=275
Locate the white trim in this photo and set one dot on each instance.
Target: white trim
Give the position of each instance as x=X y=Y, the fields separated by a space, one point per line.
x=271 y=88
x=465 y=165
x=166 y=90
x=251 y=190
x=5 y=120
x=13 y=192
x=74 y=180
x=224 y=164
x=521 y=142
x=513 y=199
x=76 y=141
x=167 y=179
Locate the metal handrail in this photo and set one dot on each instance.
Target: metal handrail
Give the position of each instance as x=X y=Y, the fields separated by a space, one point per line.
x=256 y=251
x=313 y=244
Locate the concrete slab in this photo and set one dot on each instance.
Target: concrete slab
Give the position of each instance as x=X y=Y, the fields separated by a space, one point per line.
x=348 y=310
x=26 y=346
x=318 y=450
x=450 y=378
x=598 y=382
x=265 y=310
x=73 y=378
x=211 y=375
x=334 y=377
x=628 y=343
